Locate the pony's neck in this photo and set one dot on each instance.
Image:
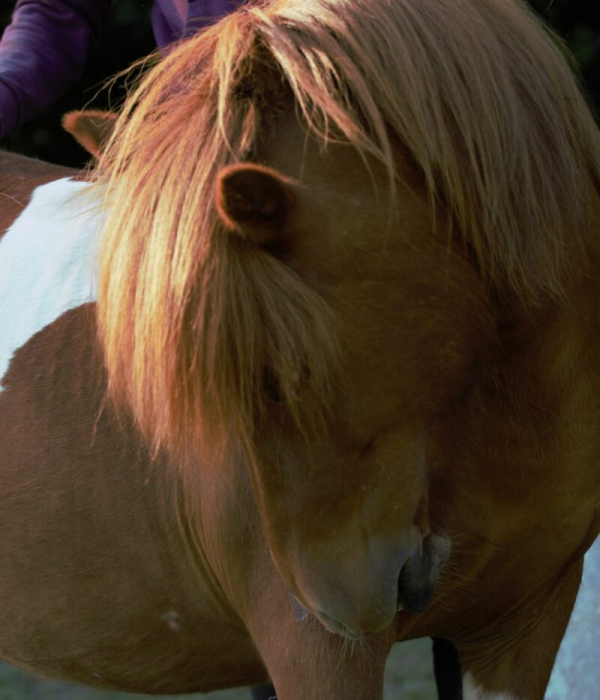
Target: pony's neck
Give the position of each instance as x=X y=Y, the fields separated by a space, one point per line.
x=538 y=409
x=520 y=454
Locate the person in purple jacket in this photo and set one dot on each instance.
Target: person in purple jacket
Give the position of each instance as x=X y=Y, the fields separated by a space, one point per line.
x=44 y=49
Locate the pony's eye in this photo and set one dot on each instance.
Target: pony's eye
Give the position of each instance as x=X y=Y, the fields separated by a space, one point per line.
x=271 y=387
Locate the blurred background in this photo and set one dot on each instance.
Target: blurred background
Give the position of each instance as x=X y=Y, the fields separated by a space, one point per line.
x=127 y=36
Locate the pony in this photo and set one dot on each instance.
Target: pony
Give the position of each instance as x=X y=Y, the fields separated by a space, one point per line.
x=310 y=365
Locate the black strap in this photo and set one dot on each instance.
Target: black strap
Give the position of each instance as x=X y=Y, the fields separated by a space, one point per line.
x=448 y=673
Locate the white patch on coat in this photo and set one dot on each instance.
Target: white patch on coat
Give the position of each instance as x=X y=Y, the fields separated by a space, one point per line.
x=472 y=692
x=47 y=263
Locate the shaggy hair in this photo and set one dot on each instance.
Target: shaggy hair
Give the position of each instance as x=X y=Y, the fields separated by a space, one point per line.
x=192 y=318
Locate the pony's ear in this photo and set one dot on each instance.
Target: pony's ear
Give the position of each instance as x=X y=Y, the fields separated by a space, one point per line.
x=254 y=201
x=91 y=129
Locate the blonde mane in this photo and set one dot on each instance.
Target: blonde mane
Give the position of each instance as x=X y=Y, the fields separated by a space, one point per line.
x=192 y=319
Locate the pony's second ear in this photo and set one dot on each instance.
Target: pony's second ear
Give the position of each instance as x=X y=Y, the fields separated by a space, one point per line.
x=91 y=129
x=254 y=201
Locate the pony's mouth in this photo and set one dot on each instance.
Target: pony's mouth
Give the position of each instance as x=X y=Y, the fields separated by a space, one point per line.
x=301 y=614
x=336 y=627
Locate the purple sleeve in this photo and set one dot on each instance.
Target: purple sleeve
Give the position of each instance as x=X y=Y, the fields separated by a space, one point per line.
x=43 y=52
x=173 y=20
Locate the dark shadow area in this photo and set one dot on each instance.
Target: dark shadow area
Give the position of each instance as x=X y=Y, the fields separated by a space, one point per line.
x=126 y=37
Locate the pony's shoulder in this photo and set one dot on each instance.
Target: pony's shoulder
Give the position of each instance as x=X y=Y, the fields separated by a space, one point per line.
x=14 y=165
x=19 y=177
x=46 y=262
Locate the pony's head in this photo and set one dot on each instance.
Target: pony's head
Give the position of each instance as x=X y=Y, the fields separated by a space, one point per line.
x=314 y=207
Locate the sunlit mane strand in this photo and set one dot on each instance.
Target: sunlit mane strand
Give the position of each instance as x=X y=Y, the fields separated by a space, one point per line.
x=476 y=91
x=193 y=319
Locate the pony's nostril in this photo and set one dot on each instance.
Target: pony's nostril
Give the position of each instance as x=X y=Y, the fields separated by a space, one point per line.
x=419 y=574
x=414 y=599
x=415 y=588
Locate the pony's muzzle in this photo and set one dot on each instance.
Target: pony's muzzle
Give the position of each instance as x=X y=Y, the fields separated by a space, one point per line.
x=419 y=574
x=358 y=600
